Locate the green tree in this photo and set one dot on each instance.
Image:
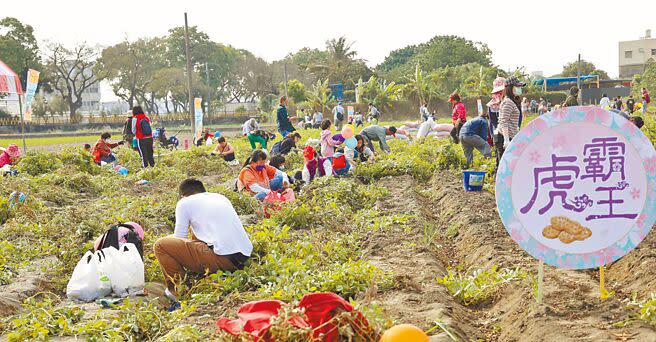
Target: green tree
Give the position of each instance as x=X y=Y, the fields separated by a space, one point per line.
x=418 y=87
x=382 y=94
x=646 y=80
x=130 y=67
x=587 y=68
x=171 y=84
x=341 y=64
x=398 y=58
x=295 y=90
x=318 y=97
x=267 y=103
x=439 y=52
x=250 y=78
x=39 y=107
x=18 y=46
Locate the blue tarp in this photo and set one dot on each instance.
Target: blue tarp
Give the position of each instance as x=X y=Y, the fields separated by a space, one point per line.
x=554 y=81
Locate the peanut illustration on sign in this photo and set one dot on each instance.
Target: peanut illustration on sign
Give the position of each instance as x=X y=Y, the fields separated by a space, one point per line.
x=566 y=230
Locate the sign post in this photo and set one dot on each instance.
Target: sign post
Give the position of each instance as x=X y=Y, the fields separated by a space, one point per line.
x=585 y=191
x=198 y=117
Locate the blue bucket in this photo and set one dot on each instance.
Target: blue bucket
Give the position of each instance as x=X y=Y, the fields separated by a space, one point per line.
x=473 y=180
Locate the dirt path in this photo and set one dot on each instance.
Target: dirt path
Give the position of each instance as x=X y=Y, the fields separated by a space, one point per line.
x=416 y=298
x=29 y=281
x=571 y=310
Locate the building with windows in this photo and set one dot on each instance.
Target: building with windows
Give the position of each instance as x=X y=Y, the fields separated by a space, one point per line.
x=634 y=54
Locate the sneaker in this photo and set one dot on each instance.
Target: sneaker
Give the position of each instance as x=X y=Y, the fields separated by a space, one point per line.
x=174 y=306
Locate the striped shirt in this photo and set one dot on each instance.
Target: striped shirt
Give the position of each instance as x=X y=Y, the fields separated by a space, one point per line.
x=508 y=118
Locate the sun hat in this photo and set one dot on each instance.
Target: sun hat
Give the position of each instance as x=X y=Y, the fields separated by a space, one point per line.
x=498 y=84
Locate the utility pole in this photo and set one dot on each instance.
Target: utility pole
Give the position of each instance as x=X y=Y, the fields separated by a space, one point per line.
x=209 y=93
x=286 y=95
x=578 y=80
x=189 y=71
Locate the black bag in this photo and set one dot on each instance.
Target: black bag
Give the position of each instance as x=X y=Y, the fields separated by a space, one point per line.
x=340 y=116
x=110 y=238
x=145 y=127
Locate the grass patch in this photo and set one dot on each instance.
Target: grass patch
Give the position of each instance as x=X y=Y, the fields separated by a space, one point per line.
x=479 y=286
x=48 y=141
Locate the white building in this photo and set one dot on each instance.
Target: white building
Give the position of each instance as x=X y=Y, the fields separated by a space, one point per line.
x=633 y=55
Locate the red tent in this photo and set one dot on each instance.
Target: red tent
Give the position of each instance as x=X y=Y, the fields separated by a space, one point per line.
x=9 y=81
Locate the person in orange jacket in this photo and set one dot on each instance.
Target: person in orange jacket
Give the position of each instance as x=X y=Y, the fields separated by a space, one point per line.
x=102 y=150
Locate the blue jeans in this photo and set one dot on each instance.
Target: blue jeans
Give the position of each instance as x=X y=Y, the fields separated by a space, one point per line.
x=276 y=183
x=110 y=158
x=284 y=133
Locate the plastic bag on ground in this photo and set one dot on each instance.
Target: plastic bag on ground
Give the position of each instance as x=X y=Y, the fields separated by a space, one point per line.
x=125 y=269
x=89 y=280
x=424 y=128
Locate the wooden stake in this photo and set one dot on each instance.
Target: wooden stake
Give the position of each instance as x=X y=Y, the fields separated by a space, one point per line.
x=603 y=293
x=540 y=282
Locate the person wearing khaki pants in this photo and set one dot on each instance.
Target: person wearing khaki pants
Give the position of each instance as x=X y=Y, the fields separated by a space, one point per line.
x=175 y=255
x=218 y=239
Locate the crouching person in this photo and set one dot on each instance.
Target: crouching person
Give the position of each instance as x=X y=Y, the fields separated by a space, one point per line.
x=259 y=178
x=218 y=239
x=473 y=135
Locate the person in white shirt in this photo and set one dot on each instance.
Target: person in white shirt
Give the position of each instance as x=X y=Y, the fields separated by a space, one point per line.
x=604 y=102
x=338 y=115
x=250 y=125
x=317 y=118
x=218 y=239
x=423 y=111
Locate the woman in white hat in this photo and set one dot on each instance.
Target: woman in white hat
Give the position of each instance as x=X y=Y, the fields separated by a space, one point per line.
x=498 y=86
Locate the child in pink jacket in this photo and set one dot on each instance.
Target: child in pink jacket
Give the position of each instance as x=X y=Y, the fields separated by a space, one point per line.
x=327 y=142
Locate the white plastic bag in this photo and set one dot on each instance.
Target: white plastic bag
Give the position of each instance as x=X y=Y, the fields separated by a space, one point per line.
x=209 y=141
x=424 y=128
x=89 y=280
x=126 y=270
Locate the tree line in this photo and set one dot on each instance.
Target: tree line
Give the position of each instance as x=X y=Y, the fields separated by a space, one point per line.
x=152 y=71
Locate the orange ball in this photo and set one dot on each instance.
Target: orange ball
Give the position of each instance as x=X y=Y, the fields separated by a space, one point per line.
x=404 y=333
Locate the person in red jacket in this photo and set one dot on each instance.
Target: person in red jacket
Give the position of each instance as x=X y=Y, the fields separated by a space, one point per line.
x=459 y=116
x=144 y=133
x=102 y=150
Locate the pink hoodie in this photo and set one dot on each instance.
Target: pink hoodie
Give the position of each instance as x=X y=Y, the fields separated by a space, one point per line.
x=328 y=144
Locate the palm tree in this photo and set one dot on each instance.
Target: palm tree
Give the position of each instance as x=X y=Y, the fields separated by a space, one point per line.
x=380 y=93
x=418 y=87
x=319 y=96
x=340 y=61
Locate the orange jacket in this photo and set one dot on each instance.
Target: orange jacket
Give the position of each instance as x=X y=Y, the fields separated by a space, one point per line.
x=101 y=149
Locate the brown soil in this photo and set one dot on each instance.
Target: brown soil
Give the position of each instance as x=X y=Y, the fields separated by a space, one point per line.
x=469 y=233
x=28 y=282
x=571 y=309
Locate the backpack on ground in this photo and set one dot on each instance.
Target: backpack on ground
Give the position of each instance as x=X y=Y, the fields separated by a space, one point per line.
x=111 y=238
